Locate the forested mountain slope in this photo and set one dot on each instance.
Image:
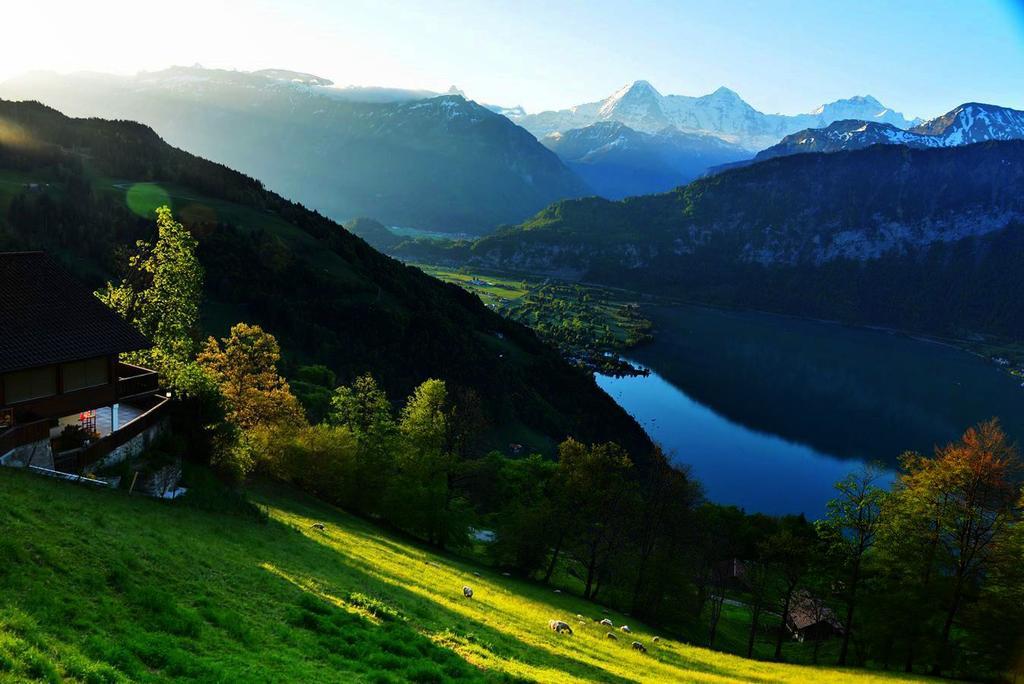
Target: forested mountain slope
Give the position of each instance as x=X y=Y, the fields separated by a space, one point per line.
x=925 y=239
x=442 y=163
x=85 y=189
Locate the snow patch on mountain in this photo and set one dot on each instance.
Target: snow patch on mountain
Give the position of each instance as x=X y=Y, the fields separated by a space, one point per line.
x=722 y=113
x=966 y=124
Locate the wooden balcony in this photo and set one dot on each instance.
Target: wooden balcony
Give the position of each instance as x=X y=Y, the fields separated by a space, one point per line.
x=26 y=433
x=133 y=381
x=133 y=386
x=77 y=460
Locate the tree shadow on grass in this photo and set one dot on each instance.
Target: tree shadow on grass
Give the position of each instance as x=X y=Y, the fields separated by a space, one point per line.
x=329 y=577
x=417 y=593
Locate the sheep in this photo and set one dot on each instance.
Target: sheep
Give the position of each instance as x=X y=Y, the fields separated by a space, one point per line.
x=467 y=592
x=611 y=635
x=607 y=623
x=637 y=646
x=560 y=626
x=506 y=574
x=626 y=629
x=476 y=574
x=657 y=639
x=558 y=591
x=319 y=526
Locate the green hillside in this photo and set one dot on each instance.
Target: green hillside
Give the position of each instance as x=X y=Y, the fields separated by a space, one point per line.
x=443 y=163
x=923 y=240
x=85 y=189
x=98 y=586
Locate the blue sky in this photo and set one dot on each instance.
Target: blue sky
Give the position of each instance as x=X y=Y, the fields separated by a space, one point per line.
x=919 y=57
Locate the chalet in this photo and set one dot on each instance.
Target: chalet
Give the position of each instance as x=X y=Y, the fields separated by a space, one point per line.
x=66 y=402
x=810 y=618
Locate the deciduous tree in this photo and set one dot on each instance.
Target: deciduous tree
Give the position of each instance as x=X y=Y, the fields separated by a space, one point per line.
x=244 y=364
x=849 y=529
x=160 y=295
x=959 y=505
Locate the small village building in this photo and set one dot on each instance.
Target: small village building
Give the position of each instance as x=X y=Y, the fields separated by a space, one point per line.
x=810 y=618
x=732 y=574
x=66 y=402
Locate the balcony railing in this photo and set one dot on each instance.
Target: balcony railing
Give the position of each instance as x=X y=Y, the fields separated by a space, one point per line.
x=77 y=460
x=26 y=433
x=135 y=380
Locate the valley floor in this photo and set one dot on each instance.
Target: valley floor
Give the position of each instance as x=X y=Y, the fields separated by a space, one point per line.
x=97 y=586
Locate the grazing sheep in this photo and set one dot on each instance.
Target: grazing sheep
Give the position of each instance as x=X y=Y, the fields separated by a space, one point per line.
x=626 y=629
x=467 y=592
x=558 y=591
x=657 y=639
x=611 y=635
x=560 y=626
x=607 y=623
x=637 y=646
x=320 y=527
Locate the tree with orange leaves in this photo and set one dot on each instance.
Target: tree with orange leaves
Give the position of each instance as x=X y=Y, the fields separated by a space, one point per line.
x=245 y=367
x=950 y=513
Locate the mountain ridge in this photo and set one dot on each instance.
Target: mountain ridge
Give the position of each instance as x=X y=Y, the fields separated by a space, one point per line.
x=617 y=161
x=915 y=239
x=723 y=112
x=971 y=122
x=441 y=162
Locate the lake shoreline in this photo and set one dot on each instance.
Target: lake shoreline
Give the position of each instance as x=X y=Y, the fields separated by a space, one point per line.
x=771 y=409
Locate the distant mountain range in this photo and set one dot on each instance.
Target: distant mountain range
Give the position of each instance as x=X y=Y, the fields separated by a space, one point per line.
x=969 y=123
x=410 y=158
x=722 y=113
x=617 y=161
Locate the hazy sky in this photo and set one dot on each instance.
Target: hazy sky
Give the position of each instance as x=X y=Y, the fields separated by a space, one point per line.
x=921 y=57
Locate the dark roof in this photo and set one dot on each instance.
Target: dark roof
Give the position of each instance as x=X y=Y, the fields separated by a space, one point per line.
x=806 y=610
x=46 y=316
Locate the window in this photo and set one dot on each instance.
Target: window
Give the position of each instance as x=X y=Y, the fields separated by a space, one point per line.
x=30 y=384
x=82 y=374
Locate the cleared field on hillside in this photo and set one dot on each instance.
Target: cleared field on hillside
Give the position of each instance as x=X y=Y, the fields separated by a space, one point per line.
x=96 y=586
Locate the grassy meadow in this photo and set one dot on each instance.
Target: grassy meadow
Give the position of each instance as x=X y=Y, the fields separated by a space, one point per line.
x=98 y=586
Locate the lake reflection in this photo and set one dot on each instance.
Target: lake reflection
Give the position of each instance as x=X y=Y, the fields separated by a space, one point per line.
x=770 y=410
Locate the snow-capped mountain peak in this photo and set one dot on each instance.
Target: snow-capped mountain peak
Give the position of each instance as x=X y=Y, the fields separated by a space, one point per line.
x=722 y=113
x=635 y=89
x=861 y=108
x=969 y=123
x=975 y=122
x=639 y=96
x=726 y=94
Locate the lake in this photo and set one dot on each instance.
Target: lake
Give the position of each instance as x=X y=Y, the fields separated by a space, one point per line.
x=769 y=410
